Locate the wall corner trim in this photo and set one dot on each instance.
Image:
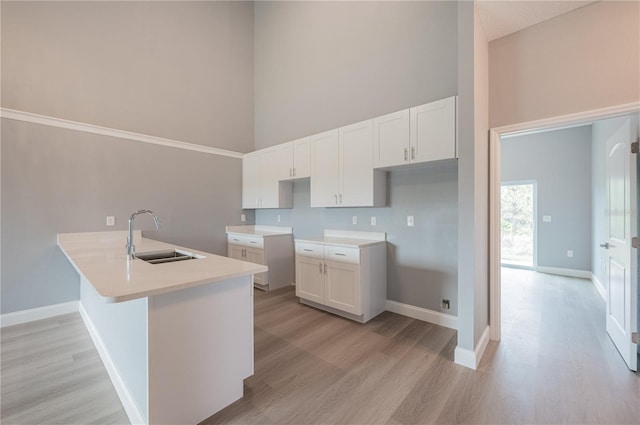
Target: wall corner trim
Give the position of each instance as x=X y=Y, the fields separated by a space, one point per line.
x=13 y=114
x=33 y=314
x=447 y=320
x=130 y=406
x=599 y=286
x=471 y=359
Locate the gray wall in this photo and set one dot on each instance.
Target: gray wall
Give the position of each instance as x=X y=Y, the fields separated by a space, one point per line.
x=57 y=181
x=421 y=260
x=560 y=162
x=180 y=70
x=321 y=65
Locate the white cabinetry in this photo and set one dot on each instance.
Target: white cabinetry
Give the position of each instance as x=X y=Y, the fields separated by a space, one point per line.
x=342 y=173
x=343 y=275
x=421 y=134
x=298 y=154
x=267 y=245
x=262 y=175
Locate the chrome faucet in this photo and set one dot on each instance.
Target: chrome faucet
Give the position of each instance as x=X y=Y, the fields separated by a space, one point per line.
x=131 y=248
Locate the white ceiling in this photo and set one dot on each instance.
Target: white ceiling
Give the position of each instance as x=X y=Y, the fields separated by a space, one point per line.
x=502 y=17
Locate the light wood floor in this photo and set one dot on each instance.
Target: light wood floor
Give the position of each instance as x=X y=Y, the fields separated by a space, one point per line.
x=52 y=374
x=555 y=364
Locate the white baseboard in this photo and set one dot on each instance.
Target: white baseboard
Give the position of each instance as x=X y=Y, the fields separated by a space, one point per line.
x=447 y=320
x=33 y=314
x=471 y=359
x=599 y=286
x=130 y=406
x=584 y=274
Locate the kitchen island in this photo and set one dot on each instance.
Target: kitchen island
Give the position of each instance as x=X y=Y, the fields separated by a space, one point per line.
x=176 y=338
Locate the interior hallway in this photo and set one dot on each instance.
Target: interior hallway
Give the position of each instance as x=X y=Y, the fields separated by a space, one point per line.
x=555 y=364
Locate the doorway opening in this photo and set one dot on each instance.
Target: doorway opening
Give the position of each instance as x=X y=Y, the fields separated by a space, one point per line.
x=518 y=224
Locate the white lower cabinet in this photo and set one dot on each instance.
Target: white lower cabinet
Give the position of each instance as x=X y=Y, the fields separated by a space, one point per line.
x=348 y=280
x=264 y=245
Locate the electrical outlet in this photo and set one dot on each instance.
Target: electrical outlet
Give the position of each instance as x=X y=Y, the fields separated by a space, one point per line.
x=546 y=218
x=278 y=218
x=410 y=220
x=243 y=218
x=354 y=219
x=570 y=253
x=373 y=220
x=446 y=304
x=111 y=220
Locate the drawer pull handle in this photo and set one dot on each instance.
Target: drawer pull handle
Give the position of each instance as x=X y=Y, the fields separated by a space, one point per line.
x=253 y=242
x=237 y=240
x=338 y=253
x=308 y=250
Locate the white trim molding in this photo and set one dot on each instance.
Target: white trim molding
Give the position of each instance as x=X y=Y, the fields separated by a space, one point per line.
x=599 y=286
x=583 y=274
x=33 y=314
x=447 y=320
x=127 y=400
x=471 y=359
x=13 y=114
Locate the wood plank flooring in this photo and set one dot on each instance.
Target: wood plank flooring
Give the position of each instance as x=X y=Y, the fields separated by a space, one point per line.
x=555 y=364
x=52 y=374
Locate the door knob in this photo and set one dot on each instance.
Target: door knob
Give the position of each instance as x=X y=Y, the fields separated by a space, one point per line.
x=605 y=245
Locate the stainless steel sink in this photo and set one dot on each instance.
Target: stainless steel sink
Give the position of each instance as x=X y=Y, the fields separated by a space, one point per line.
x=169 y=256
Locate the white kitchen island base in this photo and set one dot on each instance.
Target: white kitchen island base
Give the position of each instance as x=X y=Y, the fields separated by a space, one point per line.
x=176 y=338
x=180 y=357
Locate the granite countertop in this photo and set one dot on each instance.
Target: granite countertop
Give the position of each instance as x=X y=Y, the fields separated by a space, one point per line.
x=102 y=259
x=258 y=230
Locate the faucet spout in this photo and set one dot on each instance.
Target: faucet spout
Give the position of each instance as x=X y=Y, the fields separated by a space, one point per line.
x=131 y=248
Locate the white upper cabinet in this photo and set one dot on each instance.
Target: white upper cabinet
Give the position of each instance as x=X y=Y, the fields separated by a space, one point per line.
x=325 y=169
x=421 y=134
x=342 y=173
x=433 y=131
x=391 y=139
x=298 y=163
x=262 y=175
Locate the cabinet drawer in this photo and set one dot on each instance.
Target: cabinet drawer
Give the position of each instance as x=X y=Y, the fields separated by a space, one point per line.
x=310 y=250
x=344 y=255
x=246 y=240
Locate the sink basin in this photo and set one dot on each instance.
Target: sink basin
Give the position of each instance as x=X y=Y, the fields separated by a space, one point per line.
x=169 y=256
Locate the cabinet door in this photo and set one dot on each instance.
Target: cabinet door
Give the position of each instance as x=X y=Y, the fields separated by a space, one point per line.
x=255 y=255
x=356 y=165
x=310 y=279
x=433 y=131
x=343 y=287
x=391 y=139
x=270 y=174
x=251 y=181
x=235 y=251
x=301 y=158
x=325 y=169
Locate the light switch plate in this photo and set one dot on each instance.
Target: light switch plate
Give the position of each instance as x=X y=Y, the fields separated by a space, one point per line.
x=570 y=253
x=546 y=218
x=111 y=220
x=354 y=219
x=278 y=218
x=410 y=220
x=373 y=220
x=243 y=218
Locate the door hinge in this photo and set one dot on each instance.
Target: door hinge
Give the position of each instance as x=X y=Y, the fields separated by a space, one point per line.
x=635 y=147
x=635 y=242
x=635 y=338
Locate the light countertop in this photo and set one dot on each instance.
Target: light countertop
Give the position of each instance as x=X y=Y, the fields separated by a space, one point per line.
x=102 y=259
x=349 y=239
x=259 y=230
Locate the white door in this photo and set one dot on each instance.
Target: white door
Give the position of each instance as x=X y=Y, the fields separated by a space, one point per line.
x=391 y=139
x=433 y=131
x=356 y=165
x=343 y=287
x=325 y=169
x=620 y=274
x=301 y=158
x=310 y=279
x=251 y=181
